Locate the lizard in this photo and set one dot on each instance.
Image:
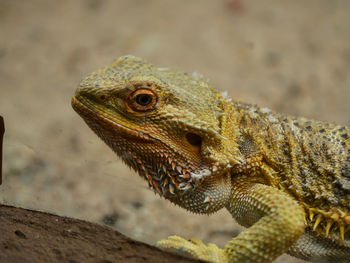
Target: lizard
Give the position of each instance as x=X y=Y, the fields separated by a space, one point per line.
x=286 y=179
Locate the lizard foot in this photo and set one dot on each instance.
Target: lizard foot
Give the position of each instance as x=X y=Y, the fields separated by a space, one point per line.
x=195 y=247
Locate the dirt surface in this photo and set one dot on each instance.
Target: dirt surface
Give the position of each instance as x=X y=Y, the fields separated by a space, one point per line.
x=291 y=56
x=29 y=237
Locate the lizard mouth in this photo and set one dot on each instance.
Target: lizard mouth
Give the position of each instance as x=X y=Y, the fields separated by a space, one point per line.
x=90 y=115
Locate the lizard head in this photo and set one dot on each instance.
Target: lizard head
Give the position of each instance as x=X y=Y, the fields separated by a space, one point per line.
x=168 y=126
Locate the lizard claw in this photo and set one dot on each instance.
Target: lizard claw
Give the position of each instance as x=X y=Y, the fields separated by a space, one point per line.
x=195 y=247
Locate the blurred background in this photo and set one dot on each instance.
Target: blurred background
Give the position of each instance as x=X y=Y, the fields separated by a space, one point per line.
x=291 y=56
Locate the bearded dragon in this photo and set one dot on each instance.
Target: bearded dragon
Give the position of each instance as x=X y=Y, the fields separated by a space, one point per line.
x=286 y=179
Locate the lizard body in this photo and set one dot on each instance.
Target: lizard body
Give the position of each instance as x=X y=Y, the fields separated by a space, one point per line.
x=285 y=178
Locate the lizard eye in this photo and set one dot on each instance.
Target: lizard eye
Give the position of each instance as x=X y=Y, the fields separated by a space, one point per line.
x=142 y=100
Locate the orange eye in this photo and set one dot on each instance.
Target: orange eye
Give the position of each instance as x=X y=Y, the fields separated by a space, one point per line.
x=142 y=100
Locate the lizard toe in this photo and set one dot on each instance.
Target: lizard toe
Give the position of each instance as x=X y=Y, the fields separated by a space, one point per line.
x=194 y=247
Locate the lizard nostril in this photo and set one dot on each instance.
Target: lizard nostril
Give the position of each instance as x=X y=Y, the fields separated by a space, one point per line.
x=194 y=139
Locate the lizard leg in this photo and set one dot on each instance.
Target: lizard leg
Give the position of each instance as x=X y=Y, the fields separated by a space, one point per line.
x=276 y=222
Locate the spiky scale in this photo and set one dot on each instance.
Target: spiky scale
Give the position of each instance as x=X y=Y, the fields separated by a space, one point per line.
x=179 y=169
x=328 y=226
x=341 y=231
x=311 y=215
x=172 y=189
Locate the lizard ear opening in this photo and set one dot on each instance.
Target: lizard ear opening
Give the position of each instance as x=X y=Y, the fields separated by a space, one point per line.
x=194 y=139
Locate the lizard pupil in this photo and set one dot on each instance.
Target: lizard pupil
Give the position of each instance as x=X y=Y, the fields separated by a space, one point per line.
x=194 y=139
x=143 y=99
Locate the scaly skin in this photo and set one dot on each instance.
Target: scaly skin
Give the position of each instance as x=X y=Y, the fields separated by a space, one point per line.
x=287 y=179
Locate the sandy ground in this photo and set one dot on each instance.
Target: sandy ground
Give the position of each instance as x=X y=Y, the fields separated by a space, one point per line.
x=291 y=56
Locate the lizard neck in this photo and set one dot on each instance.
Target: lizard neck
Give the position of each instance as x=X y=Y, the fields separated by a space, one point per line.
x=208 y=196
x=259 y=139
